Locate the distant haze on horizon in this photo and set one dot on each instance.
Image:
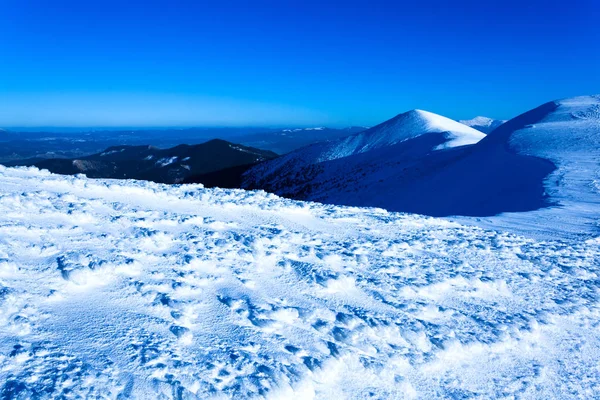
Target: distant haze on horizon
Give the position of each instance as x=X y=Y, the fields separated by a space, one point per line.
x=184 y=63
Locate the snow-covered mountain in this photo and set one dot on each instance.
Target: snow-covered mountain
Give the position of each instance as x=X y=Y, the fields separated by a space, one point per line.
x=403 y=127
x=544 y=158
x=128 y=289
x=483 y=124
x=565 y=133
x=314 y=172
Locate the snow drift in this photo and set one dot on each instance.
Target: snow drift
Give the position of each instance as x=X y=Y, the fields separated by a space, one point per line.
x=128 y=289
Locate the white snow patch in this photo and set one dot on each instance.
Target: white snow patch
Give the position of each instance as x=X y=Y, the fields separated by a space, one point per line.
x=163 y=162
x=106 y=153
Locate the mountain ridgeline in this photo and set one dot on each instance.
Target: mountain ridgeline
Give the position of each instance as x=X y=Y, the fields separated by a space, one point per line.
x=423 y=163
x=417 y=162
x=364 y=168
x=287 y=140
x=74 y=143
x=173 y=165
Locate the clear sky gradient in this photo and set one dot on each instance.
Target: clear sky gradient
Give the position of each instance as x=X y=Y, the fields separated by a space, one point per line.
x=288 y=62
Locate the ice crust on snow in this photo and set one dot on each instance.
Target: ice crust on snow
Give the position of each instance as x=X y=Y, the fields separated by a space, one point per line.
x=128 y=289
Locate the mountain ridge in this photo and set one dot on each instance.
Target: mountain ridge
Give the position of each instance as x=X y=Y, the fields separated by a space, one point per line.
x=408 y=135
x=172 y=165
x=541 y=159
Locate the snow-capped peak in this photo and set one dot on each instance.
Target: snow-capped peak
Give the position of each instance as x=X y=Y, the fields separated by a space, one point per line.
x=483 y=124
x=479 y=120
x=408 y=125
x=461 y=134
x=408 y=136
x=418 y=122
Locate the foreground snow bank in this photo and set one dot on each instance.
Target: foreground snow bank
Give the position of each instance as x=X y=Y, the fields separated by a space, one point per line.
x=131 y=289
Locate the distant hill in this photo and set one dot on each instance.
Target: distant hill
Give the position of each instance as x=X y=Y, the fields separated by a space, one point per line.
x=483 y=124
x=79 y=142
x=171 y=165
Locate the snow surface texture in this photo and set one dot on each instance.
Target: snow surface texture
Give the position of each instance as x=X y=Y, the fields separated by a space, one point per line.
x=128 y=289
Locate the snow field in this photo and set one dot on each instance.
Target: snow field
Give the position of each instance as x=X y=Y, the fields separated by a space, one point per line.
x=126 y=289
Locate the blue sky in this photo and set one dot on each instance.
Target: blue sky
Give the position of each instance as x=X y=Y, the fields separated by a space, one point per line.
x=276 y=63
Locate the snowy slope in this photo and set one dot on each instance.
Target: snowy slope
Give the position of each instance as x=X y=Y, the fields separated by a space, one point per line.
x=291 y=173
x=567 y=133
x=125 y=289
x=403 y=127
x=483 y=124
x=545 y=159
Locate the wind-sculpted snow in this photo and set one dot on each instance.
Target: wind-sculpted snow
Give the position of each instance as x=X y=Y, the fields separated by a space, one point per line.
x=125 y=289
